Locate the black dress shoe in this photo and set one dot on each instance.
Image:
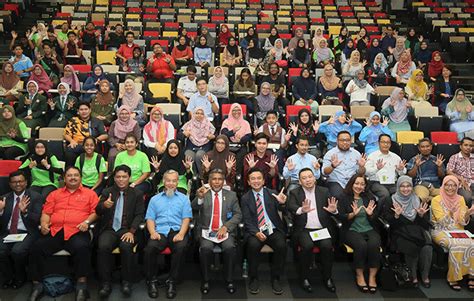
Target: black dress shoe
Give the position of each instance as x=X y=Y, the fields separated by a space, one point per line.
x=276 y=287
x=7 y=284
x=330 y=285
x=105 y=290
x=205 y=288
x=152 y=289
x=82 y=295
x=18 y=284
x=307 y=286
x=230 y=288
x=36 y=293
x=171 y=292
x=254 y=287
x=126 y=288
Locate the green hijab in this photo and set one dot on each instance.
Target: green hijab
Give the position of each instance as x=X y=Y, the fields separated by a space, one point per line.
x=454 y=104
x=8 y=125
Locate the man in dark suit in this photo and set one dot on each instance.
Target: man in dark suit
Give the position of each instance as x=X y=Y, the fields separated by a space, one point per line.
x=307 y=205
x=263 y=226
x=219 y=213
x=121 y=211
x=20 y=212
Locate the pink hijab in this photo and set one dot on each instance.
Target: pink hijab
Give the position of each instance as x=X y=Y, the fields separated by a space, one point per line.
x=199 y=129
x=122 y=128
x=73 y=80
x=450 y=202
x=43 y=81
x=157 y=129
x=133 y=98
x=231 y=122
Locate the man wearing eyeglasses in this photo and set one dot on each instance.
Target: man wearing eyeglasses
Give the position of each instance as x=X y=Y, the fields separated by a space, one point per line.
x=20 y=212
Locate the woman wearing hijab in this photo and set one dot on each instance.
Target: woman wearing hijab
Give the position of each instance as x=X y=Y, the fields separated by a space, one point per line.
x=409 y=230
x=92 y=82
x=173 y=158
x=238 y=130
x=182 y=53
x=43 y=168
x=444 y=88
x=318 y=36
x=307 y=127
x=278 y=54
x=254 y=55
x=352 y=66
x=70 y=78
x=450 y=213
x=346 y=52
x=359 y=89
x=221 y=158
x=301 y=56
x=199 y=133
x=460 y=113
x=374 y=50
x=399 y=49
x=132 y=98
x=202 y=53
x=62 y=107
x=404 y=68
x=265 y=102
x=13 y=133
x=379 y=70
x=118 y=130
x=32 y=107
x=224 y=35
x=423 y=55
x=305 y=91
x=219 y=85
x=157 y=132
x=211 y=41
x=371 y=132
x=245 y=89
x=250 y=36
x=323 y=55
x=51 y=63
x=339 y=122
x=361 y=41
x=102 y=103
x=397 y=108
x=232 y=53
x=435 y=66
x=10 y=83
x=329 y=86
x=40 y=76
x=417 y=89
x=270 y=40
x=413 y=40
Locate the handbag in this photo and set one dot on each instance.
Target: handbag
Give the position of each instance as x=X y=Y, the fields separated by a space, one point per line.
x=57 y=285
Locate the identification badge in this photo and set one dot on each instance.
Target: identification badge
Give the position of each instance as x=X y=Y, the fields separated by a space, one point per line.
x=229 y=215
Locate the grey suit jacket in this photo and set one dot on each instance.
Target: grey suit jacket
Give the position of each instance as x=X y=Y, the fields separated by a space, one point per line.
x=230 y=211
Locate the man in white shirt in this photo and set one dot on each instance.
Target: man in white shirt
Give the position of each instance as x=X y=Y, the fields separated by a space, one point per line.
x=311 y=209
x=219 y=216
x=383 y=169
x=187 y=85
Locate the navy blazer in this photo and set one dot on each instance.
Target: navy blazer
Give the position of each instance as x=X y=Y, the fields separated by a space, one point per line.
x=31 y=219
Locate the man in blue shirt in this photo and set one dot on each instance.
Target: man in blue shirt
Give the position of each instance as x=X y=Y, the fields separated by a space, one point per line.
x=341 y=163
x=21 y=63
x=426 y=171
x=203 y=99
x=167 y=219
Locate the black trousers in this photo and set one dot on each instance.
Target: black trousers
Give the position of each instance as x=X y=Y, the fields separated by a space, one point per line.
x=14 y=256
x=306 y=245
x=10 y=152
x=44 y=190
x=154 y=248
x=108 y=241
x=71 y=154
x=228 y=253
x=79 y=245
x=366 y=248
x=277 y=242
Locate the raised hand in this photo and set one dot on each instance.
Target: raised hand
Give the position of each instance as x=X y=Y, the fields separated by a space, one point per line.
x=44 y=162
x=316 y=164
x=335 y=162
x=155 y=163
x=332 y=205
x=230 y=162
x=380 y=164
x=355 y=208
x=439 y=160
x=187 y=132
x=12 y=133
x=418 y=160
x=422 y=209
x=188 y=163
x=70 y=104
x=290 y=164
x=401 y=165
x=108 y=202
x=385 y=121
x=255 y=130
x=469 y=109
x=316 y=126
x=32 y=164
x=51 y=103
x=368 y=122
x=370 y=208
x=206 y=163
x=251 y=160
x=281 y=197
x=332 y=119
x=288 y=135
x=294 y=127
x=306 y=206
x=202 y=191
x=397 y=208
x=362 y=160
x=273 y=161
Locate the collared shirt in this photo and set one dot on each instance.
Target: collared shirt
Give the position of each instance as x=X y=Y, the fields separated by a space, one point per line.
x=187 y=86
x=346 y=169
x=312 y=217
x=389 y=171
x=79 y=129
x=462 y=166
x=426 y=172
x=68 y=209
x=262 y=197
x=168 y=212
x=24 y=63
x=21 y=226
x=202 y=101
x=300 y=161
x=126 y=50
x=160 y=68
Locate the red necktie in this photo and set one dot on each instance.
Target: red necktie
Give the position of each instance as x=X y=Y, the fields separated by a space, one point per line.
x=15 y=217
x=215 y=214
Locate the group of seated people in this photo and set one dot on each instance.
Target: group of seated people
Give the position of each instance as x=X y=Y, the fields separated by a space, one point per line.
x=124 y=165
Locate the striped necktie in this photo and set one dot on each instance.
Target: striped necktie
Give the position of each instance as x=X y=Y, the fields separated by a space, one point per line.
x=260 y=213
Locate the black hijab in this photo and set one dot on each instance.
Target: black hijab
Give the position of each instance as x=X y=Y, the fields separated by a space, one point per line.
x=300 y=52
x=233 y=50
x=273 y=38
x=182 y=47
x=37 y=158
x=175 y=163
x=198 y=44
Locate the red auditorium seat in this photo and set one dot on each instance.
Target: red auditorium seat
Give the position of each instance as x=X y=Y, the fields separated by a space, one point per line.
x=444 y=137
x=292 y=112
x=226 y=110
x=8 y=166
x=82 y=68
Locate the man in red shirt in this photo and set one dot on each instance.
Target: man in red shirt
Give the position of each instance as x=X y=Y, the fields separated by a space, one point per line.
x=125 y=51
x=161 y=66
x=65 y=220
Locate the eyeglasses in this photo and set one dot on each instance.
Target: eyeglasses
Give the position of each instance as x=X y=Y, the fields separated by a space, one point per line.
x=450 y=185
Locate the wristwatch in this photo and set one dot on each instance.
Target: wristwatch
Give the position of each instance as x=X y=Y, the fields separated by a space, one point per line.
x=87 y=222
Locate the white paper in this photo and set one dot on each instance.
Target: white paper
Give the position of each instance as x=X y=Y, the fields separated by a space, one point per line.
x=14 y=238
x=205 y=234
x=386 y=177
x=244 y=92
x=320 y=234
x=273 y=146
